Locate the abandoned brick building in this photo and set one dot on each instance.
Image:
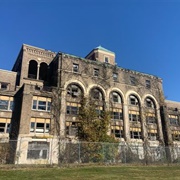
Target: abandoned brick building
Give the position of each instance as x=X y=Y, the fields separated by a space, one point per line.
x=138 y=109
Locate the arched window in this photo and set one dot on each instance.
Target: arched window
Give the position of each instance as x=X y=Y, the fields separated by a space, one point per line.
x=115 y=97
x=32 y=71
x=133 y=100
x=43 y=71
x=149 y=103
x=96 y=94
x=74 y=91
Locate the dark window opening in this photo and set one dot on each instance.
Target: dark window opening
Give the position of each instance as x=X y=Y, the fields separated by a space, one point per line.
x=43 y=71
x=32 y=72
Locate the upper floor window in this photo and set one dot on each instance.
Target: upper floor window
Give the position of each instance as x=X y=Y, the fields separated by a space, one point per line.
x=40 y=125
x=133 y=100
x=75 y=67
x=115 y=76
x=41 y=103
x=176 y=135
x=150 y=118
x=6 y=103
x=5 y=125
x=134 y=116
x=72 y=108
x=148 y=84
x=115 y=97
x=96 y=94
x=132 y=80
x=149 y=103
x=96 y=72
x=173 y=119
x=74 y=90
x=135 y=134
x=4 y=86
x=106 y=59
x=117 y=115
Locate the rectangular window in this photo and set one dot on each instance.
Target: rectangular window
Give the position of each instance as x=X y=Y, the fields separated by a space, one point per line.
x=6 y=103
x=75 y=67
x=176 y=135
x=41 y=103
x=148 y=84
x=106 y=59
x=132 y=80
x=117 y=132
x=173 y=119
x=115 y=76
x=135 y=134
x=134 y=116
x=39 y=125
x=38 y=150
x=152 y=136
x=4 y=125
x=72 y=110
x=151 y=119
x=4 y=86
x=72 y=128
x=117 y=116
x=96 y=72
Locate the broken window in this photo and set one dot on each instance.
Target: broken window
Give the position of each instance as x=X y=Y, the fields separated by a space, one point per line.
x=106 y=59
x=115 y=97
x=32 y=71
x=117 y=115
x=96 y=94
x=72 y=128
x=74 y=90
x=152 y=136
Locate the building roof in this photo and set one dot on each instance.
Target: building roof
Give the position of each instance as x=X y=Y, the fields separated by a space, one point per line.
x=103 y=49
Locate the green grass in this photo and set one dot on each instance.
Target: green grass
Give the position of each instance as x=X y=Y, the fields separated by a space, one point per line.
x=93 y=173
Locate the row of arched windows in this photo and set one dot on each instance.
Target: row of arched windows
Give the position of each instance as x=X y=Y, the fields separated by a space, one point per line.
x=74 y=91
x=36 y=71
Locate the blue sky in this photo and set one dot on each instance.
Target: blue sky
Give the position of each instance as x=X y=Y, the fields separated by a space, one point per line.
x=144 y=34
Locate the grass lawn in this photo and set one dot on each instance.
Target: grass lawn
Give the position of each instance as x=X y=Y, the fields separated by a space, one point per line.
x=93 y=173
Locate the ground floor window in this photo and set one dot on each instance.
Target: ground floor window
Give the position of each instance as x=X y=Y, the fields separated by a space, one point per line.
x=72 y=128
x=176 y=135
x=38 y=150
x=117 y=131
x=152 y=136
x=4 y=125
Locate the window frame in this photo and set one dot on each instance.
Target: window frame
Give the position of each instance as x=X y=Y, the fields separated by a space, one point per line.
x=148 y=84
x=135 y=136
x=115 y=76
x=37 y=106
x=133 y=80
x=9 y=103
x=96 y=72
x=75 y=68
x=36 y=128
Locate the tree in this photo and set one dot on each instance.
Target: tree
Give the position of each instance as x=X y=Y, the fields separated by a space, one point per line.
x=93 y=129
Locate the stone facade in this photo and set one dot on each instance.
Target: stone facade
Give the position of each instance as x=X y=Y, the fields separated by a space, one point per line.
x=139 y=111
